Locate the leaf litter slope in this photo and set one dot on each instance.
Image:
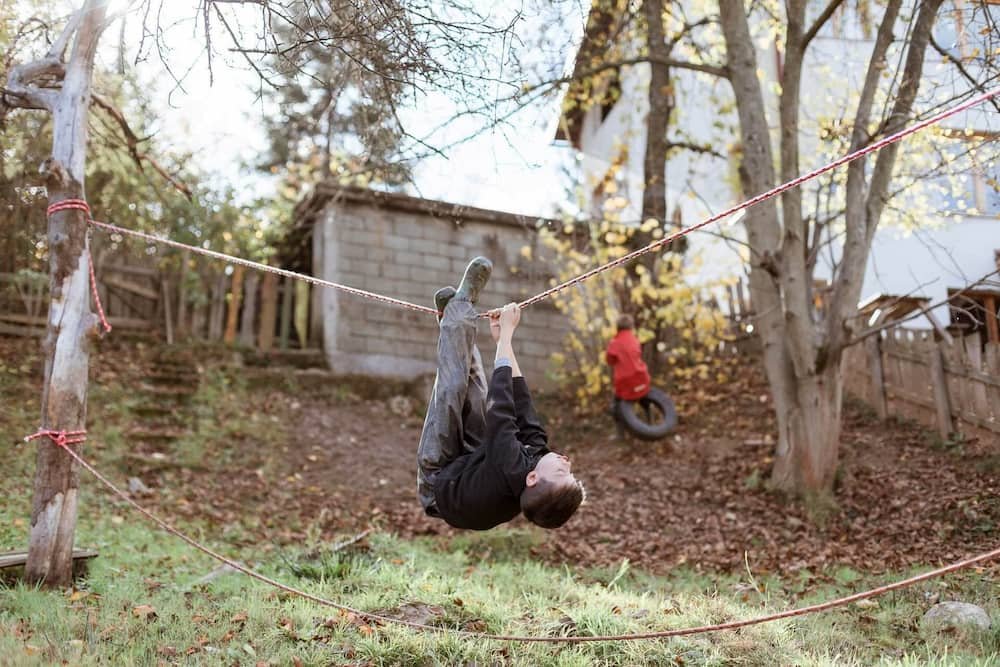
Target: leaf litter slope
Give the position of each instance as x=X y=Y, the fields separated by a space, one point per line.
x=283 y=462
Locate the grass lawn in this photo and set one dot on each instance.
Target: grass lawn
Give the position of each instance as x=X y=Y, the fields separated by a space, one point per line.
x=146 y=599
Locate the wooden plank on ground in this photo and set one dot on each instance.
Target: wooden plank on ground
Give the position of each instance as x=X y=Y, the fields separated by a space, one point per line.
x=18 y=558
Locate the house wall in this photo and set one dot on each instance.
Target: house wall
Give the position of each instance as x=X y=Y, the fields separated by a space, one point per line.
x=409 y=255
x=944 y=254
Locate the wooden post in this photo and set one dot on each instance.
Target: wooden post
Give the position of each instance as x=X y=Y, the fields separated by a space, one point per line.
x=268 y=311
x=992 y=329
x=235 y=298
x=182 y=324
x=741 y=299
x=70 y=320
x=167 y=315
x=217 y=311
x=939 y=383
x=247 y=334
x=873 y=348
x=287 y=296
x=974 y=362
x=991 y=366
x=302 y=312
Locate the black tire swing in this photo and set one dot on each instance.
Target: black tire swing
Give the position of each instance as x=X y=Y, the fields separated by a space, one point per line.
x=648 y=418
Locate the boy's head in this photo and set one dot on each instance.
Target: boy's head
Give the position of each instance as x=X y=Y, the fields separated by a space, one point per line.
x=552 y=493
x=625 y=322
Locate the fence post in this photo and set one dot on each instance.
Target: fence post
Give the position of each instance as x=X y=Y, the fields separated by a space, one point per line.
x=249 y=310
x=873 y=347
x=167 y=315
x=182 y=297
x=942 y=402
x=268 y=311
x=232 y=317
x=287 y=295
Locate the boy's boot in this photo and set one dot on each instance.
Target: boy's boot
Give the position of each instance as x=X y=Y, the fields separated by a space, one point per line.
x=477 y=273
x=441 y=299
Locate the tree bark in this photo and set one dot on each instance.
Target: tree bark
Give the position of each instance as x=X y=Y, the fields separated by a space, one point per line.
x=71 y=324
x=660 y=95
x=803 y=359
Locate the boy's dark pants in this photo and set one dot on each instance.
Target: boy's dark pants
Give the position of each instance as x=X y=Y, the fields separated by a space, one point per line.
x=456 y=414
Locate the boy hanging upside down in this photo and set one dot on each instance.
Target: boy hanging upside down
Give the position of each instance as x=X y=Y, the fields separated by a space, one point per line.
x=483 y=457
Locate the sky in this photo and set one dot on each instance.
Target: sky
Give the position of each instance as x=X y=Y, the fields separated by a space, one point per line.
x=513 y=169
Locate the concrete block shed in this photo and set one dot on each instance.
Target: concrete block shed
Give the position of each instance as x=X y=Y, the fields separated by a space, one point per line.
x=407 y=247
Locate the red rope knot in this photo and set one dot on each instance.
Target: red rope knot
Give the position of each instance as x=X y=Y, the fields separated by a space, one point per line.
x=81 y=205
x=59 y=438
x=69 y=204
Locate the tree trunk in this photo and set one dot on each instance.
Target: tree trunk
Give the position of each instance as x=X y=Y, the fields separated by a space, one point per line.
x=811 y=427
x=70 y=322
x=802 y=360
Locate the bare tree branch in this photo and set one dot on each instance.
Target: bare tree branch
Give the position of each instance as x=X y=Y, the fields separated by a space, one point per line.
x=821 y=21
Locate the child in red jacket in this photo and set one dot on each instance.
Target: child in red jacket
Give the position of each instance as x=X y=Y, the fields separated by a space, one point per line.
x=624 y=355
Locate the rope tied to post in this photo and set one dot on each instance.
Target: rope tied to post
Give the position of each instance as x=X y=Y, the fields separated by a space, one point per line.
x=81 y=205
x=60 y=438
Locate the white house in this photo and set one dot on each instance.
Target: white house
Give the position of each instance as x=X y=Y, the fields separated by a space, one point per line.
x=952 y=249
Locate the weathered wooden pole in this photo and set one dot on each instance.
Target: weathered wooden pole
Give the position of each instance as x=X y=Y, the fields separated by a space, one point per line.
x=71 y=324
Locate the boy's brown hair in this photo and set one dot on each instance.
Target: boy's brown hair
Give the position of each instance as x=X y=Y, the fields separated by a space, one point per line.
x=549 y=505
x=625 y=322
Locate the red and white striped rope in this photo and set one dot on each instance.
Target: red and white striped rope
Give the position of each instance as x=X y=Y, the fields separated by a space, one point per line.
x=264 y=267
x=773 y=192
x=81 y=205
x=655 y=245
x=465 y=634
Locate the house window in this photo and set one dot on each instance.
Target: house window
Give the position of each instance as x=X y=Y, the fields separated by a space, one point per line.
x=975 y=311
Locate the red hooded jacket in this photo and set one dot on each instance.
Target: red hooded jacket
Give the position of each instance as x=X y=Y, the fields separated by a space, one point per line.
x=624 y=355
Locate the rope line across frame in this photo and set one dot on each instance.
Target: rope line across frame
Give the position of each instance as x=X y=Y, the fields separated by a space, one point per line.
x=65 y=442
x=465 y=634
x=655 y=245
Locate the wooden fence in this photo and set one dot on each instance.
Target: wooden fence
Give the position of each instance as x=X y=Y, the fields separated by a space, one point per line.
x=951 y=387
x=262 y=311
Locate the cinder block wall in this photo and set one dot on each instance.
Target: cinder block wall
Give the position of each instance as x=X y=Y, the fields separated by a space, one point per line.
x=408 y=249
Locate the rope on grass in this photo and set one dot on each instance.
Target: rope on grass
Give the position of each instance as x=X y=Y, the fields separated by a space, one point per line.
x=379 y=619
x=655 y=245
x=81 y=205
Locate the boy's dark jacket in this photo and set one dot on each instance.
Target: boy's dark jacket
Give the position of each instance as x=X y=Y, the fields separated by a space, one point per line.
x=482 y=489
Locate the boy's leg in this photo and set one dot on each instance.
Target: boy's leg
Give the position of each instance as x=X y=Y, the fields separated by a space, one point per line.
x=474 y=410
x=443 y=436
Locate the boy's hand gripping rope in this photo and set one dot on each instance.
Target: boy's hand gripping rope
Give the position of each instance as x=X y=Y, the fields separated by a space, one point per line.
x=655 y=245
x=81 y=205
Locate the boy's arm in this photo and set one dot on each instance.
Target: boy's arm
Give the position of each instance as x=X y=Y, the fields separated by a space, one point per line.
x=529 y=428
x=503 y=448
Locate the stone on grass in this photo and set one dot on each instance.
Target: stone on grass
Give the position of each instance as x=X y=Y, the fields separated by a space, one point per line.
x=951 y=616
x=137 y=488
